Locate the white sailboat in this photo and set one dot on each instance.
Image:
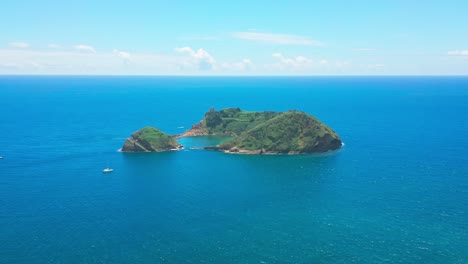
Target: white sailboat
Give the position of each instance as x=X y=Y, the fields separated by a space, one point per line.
x=108 y=169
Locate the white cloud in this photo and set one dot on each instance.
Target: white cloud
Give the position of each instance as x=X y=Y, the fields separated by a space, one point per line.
x=84 y=48
x=20 y=45
x=458 y=52
x=200 y=54
x=244 y=65
x=187 y=62
x=69 y=61
x=282 y=39
x=63 y=61
x=295 y=62
x=200 y=58
x=123 y=55
x=305 y=66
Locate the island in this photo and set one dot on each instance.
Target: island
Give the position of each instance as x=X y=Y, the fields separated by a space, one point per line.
x=150 y=139
x=291 y=132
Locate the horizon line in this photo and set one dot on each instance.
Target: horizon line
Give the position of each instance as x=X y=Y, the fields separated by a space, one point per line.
x=242 y=76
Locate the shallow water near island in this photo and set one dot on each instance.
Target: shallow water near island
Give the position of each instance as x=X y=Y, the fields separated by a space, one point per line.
x=199 y=142
x=396 y=193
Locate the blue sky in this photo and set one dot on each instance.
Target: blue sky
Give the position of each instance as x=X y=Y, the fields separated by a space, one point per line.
x=234 y=37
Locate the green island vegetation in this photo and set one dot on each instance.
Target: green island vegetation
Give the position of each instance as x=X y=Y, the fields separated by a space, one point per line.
x=234 y=121
x=290 y=132
x=150 y=139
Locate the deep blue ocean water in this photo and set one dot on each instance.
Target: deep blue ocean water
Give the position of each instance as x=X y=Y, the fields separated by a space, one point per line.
x=396 y=193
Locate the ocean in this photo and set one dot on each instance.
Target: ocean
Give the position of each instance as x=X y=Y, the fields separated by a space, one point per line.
x=397 y=192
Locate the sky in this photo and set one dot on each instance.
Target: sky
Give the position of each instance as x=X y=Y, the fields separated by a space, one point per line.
x=239 y=37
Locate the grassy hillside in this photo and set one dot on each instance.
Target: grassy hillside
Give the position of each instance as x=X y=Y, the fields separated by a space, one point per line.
x=291 y=131
x=150 y=139
x=233 y=120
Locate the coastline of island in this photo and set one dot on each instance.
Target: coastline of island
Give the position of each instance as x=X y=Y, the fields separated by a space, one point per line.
x=255 y=133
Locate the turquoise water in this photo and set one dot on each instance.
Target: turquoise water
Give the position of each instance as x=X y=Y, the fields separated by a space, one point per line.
x=396 y=193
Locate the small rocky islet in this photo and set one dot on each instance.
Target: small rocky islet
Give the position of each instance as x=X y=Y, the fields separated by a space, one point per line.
x=291 y=132
x=150 y=139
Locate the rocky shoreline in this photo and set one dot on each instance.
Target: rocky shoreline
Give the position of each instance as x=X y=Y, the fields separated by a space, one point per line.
x=263 y=151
